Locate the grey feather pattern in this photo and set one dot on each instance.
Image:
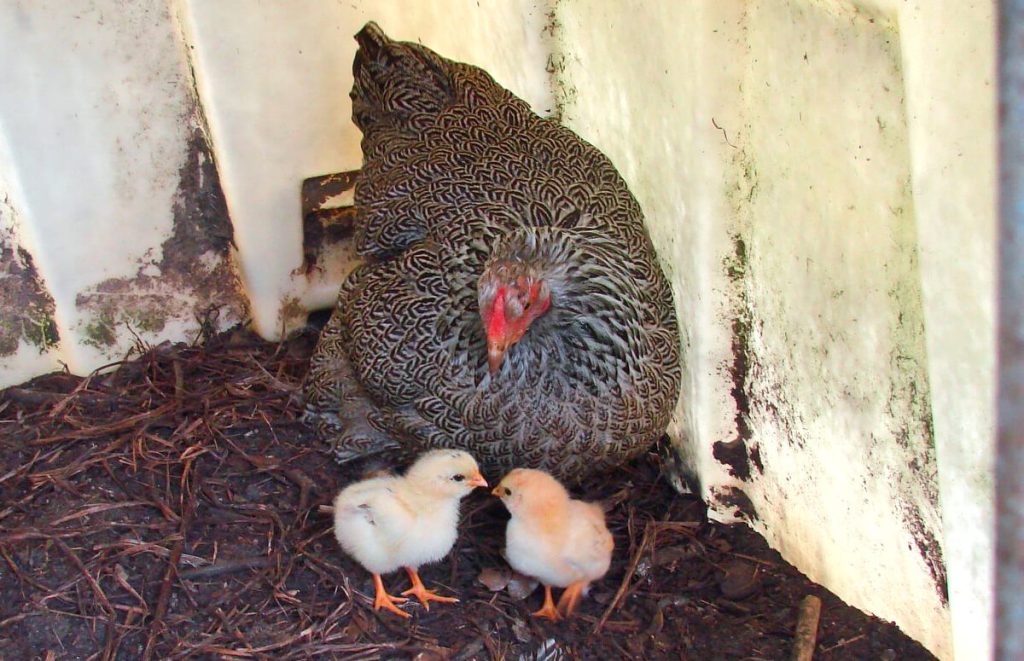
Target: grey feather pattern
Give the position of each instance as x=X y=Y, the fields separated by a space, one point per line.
x=459 y=173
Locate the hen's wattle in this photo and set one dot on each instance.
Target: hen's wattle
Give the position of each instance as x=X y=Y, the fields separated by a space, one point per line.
x=464 y=192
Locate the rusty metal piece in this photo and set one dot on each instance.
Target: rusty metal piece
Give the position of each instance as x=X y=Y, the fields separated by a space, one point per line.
x=323 y=226
x=317 y=190
x=1009 y=579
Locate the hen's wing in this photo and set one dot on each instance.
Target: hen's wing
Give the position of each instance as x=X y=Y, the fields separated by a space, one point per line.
x=338 y=406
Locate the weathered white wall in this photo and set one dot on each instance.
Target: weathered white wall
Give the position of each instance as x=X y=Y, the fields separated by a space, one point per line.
x=817 y=176
x=104 y=162
x=951 y=104
x=28 y=332
x=832 y=250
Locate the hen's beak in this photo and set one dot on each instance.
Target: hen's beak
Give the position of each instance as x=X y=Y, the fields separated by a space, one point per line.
x=477 y=481
x=495 y=354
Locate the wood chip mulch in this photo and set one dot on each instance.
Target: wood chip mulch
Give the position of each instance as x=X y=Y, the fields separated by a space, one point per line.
x=175 y=508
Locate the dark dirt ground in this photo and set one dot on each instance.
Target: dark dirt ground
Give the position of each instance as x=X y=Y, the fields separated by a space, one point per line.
x=172 y=509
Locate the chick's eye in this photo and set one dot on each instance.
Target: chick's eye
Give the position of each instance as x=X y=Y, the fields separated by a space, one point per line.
x=508 y=492
x=459 y=477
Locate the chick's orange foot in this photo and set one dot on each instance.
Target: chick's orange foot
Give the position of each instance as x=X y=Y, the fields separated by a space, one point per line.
x=384 y=600
x=571 y=598
x=548 y=610
x=421 y=592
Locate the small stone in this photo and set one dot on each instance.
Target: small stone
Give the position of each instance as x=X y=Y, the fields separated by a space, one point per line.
x=495 y=578
x=671 y=555
x=521 y=586
x=431 y=655
x=521 y=631
x=740 y=581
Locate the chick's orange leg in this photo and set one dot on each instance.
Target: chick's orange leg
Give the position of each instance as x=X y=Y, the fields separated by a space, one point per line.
x=571 y=598
x=421 y=592
x=548 y=609
x=384 y=600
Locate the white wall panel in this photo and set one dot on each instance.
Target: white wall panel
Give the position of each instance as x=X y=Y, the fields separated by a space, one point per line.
x=29 y=341
x=949 y=65
x=818 y=179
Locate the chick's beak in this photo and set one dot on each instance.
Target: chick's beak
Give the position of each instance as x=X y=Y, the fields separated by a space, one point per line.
x=477 y=481
x=496 y=491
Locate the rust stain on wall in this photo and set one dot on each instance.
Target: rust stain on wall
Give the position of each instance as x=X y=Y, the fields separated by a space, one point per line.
x=322 y=224
x=194 y=279
x=734 y=453
x=27 y=305
x=736 y=500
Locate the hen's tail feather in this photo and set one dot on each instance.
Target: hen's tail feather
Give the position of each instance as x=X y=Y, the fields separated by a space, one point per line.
x=347 y=432
x=394 y=80
x=372 y=41
x=350 y=447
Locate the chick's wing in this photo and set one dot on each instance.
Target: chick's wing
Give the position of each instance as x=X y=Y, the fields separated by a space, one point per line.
x=589 y=544
x=380 y=503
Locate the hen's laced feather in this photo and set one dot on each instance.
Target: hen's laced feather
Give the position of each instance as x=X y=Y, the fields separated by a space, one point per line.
x=458 y=174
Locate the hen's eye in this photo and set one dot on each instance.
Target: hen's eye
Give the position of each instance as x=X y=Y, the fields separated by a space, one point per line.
x=508 y=492
x=458 y=478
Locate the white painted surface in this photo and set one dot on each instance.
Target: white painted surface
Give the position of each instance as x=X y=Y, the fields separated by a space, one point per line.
x=274 y=80
x=949 y=64
x=29 y=358
x=838 y=382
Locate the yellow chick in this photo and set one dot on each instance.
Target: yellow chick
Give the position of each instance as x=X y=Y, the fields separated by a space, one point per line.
x=408 y=521
x=558 y=540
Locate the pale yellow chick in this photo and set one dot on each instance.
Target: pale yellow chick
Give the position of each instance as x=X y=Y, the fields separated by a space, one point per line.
x=560 y=541
x=408 y=521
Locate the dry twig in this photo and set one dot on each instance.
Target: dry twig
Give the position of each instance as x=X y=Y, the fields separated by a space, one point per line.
x=806 y=629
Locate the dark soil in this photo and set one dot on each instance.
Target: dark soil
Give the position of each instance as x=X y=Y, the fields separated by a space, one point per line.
x=173 y=508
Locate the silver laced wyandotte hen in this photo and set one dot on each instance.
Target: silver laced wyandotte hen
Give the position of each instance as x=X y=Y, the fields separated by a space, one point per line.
x=511 y=303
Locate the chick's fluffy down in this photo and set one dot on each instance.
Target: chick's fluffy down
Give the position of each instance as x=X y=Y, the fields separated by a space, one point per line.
x=583 y=551
x=550 y=536
x=390 y=522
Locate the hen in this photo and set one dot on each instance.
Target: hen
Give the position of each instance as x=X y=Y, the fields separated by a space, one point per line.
x=511 y=303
